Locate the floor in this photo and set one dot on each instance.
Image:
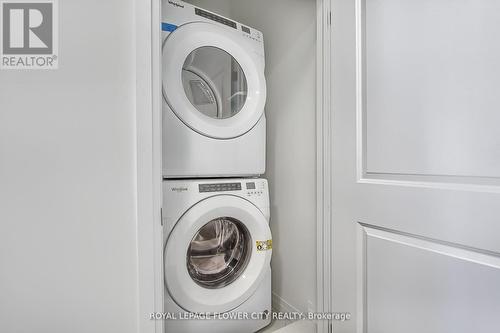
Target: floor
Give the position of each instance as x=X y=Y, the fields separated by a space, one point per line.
x=275 y=325
x=282 y=326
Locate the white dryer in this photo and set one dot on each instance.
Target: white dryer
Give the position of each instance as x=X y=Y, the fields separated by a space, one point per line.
x=217 y=255
x=214 y=92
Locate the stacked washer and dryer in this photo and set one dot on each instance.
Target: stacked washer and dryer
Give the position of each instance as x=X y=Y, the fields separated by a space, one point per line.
x=215 y=207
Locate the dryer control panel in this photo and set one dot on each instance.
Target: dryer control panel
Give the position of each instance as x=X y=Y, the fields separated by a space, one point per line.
x=214 y=17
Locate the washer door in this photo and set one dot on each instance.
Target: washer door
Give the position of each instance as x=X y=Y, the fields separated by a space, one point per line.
x=211 y=82
x=212 y=263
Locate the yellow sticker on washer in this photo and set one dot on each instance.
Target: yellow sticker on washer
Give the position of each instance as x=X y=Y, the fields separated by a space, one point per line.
x=264 y=245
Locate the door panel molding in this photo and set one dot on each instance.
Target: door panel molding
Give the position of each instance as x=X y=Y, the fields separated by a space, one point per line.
x=360 y=90
x=475 y=183
x=455 y=250
x=434 y=258
x=431 y=181
x=362 y=286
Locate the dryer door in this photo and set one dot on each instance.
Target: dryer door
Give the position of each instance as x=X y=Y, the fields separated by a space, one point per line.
x=211 y=82
x=214 y=259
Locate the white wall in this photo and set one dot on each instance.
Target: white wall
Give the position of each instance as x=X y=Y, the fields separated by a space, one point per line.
x=289 y=28
x=68 y=256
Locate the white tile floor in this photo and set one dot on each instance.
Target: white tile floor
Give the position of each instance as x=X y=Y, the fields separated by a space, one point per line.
x=282 y=326
x=275 y=325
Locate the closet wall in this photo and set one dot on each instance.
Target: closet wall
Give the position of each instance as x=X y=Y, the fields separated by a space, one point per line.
x=289 y=28
x=68 y=217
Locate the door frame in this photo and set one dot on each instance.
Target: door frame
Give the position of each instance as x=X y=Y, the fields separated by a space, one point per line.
x=150 y=287
x=324 y=127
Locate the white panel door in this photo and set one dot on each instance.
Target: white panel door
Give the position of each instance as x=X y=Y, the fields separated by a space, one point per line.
x=416 y=165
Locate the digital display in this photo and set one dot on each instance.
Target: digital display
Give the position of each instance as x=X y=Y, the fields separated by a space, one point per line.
x=219 y=187
x=245 y=29
x=215 y=18
x=251 y=186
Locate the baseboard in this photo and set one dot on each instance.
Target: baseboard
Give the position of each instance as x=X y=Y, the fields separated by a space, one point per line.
x=281 y=305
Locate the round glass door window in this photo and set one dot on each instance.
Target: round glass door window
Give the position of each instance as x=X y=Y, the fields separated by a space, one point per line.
x=219 y=253
x=214 y=82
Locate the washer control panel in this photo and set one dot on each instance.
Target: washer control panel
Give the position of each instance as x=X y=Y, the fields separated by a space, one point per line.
x=255 y=188
x=249 y=187
x=219 y=187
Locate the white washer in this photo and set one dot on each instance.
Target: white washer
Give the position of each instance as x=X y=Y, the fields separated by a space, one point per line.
x=214 y=92
x=217 y=255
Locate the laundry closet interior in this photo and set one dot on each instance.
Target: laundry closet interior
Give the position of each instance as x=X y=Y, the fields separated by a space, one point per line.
x=288 y=30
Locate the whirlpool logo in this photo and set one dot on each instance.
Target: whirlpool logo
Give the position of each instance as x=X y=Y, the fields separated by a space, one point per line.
x=179 y=189
x=175 y=4
x=29 y=34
